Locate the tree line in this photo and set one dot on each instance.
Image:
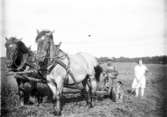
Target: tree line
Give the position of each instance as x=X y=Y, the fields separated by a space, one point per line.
x=147 y=60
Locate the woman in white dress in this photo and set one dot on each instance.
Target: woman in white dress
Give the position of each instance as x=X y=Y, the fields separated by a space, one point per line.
x=139 y=82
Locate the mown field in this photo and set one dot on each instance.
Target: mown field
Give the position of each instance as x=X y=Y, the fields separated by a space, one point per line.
x=153 y=104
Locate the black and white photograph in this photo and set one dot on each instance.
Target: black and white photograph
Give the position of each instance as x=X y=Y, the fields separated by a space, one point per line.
x=83 y=58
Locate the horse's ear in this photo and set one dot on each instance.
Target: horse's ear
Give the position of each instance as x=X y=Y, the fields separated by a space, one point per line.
x=6 y=39
x=29 y=47
x=59 y=44
x=49 y=33
x=20 y=39
x=37 y=31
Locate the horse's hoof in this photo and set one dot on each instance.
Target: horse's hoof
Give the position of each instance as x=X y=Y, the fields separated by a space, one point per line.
x=57 y=113
x=21 y=104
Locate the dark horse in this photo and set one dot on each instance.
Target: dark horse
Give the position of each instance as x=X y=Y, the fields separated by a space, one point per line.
x=17 y=54
x=20 y=58
x=63 y=69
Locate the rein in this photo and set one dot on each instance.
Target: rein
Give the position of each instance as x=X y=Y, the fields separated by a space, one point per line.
x=27 y=63
x=67 y=68
x=57 y=60
x=50 y=62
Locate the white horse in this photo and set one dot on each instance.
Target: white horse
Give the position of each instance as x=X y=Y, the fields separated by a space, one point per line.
x=63 y=69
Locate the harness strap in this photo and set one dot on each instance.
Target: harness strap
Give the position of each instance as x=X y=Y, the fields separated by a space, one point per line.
x=66 y=67
x=56 y=60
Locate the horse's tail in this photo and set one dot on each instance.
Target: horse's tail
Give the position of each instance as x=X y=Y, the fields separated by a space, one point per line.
x=98 y=71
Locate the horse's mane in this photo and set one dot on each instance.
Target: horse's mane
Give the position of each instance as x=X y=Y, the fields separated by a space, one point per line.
x=19 y=51
x=22 y=47
x=44 y=32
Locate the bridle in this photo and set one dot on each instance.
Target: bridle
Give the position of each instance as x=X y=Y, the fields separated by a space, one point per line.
x=53 y=60
x=13 y=56
x=56 y=59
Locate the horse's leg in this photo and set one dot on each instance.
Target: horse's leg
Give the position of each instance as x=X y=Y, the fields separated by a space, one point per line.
x=28 y=88
x=39 y=98
x=26 y=97
x=93 y=87
x=21 y=97
x=56 y=88
x=58 y=102
x=20 y=91
x=36 y=93
x=93 y=84
x=53 y=89
x=89 y=92
x=83 y=91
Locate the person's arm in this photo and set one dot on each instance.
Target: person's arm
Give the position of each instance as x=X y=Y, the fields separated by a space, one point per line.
x=146 y=71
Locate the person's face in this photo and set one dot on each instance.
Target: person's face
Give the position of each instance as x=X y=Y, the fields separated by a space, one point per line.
x=140 y=62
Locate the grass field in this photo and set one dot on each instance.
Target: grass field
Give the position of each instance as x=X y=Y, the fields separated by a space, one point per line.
x=153 y=104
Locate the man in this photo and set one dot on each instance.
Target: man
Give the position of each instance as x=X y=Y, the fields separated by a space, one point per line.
x=139 y=81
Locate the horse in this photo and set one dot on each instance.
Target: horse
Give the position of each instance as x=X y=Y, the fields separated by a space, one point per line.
x=63 y=69
x=17 y=54
x=20 y=58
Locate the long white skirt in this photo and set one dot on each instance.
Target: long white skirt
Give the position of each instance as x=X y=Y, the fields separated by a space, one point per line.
x=139 y=84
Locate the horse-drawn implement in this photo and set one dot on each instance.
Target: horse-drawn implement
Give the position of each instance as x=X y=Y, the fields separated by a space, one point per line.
x=57 y=70
x=104 y=84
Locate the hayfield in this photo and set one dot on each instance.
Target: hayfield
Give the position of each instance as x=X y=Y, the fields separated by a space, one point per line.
x=154 y=104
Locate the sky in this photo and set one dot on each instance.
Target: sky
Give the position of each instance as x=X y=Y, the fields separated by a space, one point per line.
x=111 y=28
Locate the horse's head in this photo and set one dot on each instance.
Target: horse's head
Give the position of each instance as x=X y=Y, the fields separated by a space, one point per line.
x=15 y=49
x=11 y=49
x=44 y=41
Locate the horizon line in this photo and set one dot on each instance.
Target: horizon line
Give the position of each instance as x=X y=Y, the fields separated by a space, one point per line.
x=121 y=56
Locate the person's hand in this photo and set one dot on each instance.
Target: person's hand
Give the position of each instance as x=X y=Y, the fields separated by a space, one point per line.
x=148 y=73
